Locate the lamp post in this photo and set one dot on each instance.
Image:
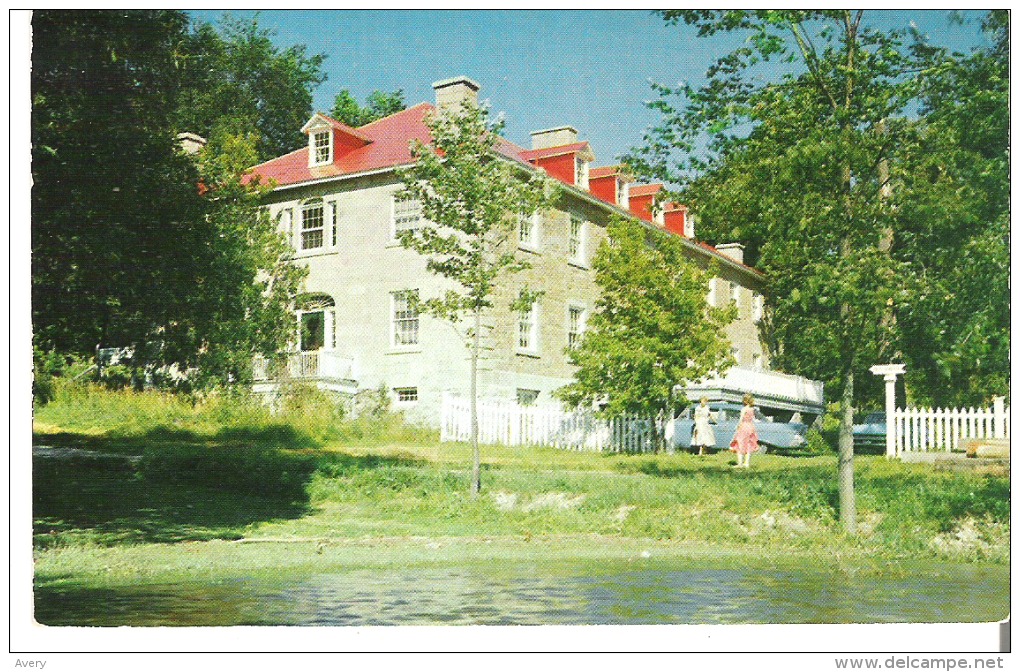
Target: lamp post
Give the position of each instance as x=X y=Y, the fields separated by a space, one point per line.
x=890 y=372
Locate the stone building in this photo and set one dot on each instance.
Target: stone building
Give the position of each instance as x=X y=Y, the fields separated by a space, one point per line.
x=336 y=199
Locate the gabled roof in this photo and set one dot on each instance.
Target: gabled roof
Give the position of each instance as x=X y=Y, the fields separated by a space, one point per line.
x=388 y=146
x=340 y=126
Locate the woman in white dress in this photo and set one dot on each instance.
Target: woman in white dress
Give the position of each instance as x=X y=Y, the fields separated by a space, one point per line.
x=703 y=434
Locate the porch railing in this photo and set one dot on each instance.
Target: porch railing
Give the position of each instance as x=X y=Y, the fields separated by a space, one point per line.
x=312 y=365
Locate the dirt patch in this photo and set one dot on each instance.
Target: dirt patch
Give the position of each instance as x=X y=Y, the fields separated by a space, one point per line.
x=507 y=501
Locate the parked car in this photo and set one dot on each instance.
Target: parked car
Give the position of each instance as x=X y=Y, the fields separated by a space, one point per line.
x=871 y=433
x=725 y=417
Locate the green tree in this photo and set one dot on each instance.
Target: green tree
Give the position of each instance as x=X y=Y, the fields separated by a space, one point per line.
x=134 y=243
x=955 y=333
x=652 y=330
x=379 y=104
x=115 y=210
x=802 y=165
x=236 y=76
x=243 y=303
x=471 y=198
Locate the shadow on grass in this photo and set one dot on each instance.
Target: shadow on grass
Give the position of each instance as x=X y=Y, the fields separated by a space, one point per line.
x=175 y=485
x=183 y=487
x=80 y=501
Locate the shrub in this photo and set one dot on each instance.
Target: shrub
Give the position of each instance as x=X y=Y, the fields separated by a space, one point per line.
x=817 y=443
x=312 y=411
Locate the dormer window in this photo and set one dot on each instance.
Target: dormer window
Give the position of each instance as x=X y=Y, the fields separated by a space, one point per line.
x=321 y=147
x=581 y=175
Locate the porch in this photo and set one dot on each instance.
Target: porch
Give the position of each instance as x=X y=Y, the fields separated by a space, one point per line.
x=327 y=369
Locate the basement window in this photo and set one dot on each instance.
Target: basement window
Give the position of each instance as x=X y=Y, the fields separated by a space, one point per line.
x=526 y=397
x=406 y=395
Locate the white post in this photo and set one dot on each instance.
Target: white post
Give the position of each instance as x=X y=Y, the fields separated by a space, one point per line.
x=890 y=372
x=999 y=418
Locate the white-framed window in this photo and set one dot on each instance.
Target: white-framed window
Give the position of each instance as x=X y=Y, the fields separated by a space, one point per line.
x=285 y=222
x=526 y=397
x=313 y=226
x=527 y=328
x=334 y=220
x=406 y=215
x=736 y=355
x=756 y=361
x=713 y=291
x=581 y=173
x=404 y=318
x=622 y=194
x=316 y=323
x=321 y=147
x=576 y=323
x=528 y=227
x=406 y=395
x=576 y=240
x=758 y=307
x=735 y=293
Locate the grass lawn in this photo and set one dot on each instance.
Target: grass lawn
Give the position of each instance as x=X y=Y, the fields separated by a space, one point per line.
x=208 y=498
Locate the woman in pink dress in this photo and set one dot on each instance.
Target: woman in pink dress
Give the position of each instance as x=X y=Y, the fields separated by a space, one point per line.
x=745 y=441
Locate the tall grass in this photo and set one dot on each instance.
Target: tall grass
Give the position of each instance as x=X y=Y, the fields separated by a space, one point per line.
x=302 y=417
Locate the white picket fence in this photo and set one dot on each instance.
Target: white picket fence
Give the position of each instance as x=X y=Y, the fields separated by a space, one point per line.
x=920 y=429
x=510 y=424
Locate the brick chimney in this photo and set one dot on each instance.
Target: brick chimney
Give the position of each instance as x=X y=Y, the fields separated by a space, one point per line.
x=553 y=137
x=734 y=251
x=454 y=92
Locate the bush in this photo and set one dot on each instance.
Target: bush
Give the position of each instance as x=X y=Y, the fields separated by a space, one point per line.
x=817 y=443
x=46 y=368
x=312 y=411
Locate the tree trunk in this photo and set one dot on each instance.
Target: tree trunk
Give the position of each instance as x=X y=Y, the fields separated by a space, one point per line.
x=476 y=474
x=847 y=505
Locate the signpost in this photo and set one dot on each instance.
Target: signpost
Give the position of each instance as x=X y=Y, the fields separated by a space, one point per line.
x=890 y=371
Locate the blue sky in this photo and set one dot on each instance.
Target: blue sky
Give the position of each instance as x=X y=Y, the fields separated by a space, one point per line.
x=588 y=69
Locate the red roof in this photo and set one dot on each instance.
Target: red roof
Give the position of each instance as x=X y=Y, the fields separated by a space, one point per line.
x=532 y=154
x=604 y=171
x=388 y=146
x=645 y=189
x=344 y=128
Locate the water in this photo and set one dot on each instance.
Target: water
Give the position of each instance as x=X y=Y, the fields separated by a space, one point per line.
x=617 y=594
